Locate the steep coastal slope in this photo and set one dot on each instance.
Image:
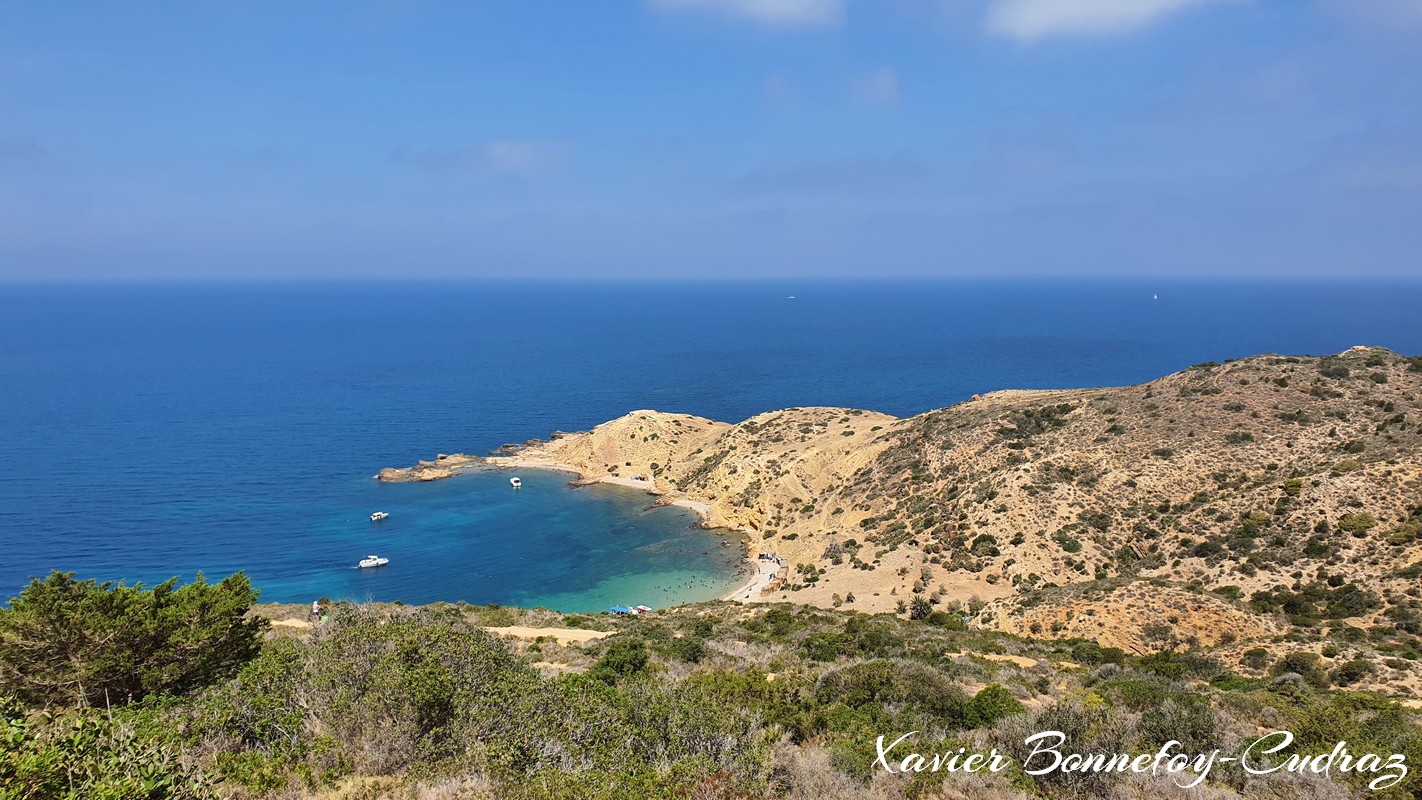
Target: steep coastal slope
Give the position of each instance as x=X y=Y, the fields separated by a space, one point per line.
x=1219 y=504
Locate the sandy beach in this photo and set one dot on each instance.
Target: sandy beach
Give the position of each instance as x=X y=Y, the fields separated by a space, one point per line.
x=766 y=571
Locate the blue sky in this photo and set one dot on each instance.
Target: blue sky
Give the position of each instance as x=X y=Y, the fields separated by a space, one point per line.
x=710 y=138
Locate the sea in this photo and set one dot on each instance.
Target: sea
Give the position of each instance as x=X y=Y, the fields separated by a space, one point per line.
x=151 y=430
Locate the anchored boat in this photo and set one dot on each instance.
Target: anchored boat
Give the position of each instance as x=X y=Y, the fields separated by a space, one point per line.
x=516 y=481
x=378 y=516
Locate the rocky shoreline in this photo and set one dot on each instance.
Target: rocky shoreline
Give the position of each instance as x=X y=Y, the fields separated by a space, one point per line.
x=443 y=466
x=447 y=465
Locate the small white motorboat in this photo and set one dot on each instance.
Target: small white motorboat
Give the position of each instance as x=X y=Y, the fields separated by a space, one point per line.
x=516 y=481
x=643 y=610
x=373 y=561
x=379 y=515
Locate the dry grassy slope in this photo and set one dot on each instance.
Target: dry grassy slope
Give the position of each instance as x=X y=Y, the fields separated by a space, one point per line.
x=638 y=444
x=1183 y=478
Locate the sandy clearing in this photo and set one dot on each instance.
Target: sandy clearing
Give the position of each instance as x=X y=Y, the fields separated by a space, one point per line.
x=1021 y=661
x=291 y=623
x=560 y=635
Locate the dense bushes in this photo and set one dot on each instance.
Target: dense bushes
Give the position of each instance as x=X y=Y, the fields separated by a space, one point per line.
x=69 y=642
x=87 y=755
x=892 y=685
x=1315 y=601
x=989 y=705
x=622 y=660
x=417 y=698
x=392 y=690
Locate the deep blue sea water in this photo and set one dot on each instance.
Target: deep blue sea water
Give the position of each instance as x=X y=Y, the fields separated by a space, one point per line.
x=157 y=430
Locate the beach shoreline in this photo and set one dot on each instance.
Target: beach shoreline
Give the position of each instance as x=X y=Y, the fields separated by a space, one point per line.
x=762 y=571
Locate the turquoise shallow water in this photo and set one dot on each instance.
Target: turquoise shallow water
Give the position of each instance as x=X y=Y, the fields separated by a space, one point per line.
x=476 y=538
x=156 y=430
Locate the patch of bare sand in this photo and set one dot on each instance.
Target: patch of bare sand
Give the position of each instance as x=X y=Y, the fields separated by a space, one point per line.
x=1021 y=661
x=291 y=623
x=560 y=635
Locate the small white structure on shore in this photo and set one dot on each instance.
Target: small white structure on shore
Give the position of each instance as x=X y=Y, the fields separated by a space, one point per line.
x=516 y=481
x=373 y=561
x=378 y=516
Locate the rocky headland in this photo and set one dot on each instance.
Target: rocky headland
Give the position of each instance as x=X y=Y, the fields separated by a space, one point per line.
x=1217 y=506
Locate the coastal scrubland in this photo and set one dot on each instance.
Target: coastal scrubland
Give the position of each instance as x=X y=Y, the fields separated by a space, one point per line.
x=714 y=700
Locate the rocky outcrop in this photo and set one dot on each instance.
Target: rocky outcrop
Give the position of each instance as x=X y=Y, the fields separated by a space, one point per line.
x=444 y=466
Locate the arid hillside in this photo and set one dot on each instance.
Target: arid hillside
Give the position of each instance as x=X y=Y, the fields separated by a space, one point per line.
x=1261 y=497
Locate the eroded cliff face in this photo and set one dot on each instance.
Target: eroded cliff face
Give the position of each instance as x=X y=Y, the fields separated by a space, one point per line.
x=1294 y=482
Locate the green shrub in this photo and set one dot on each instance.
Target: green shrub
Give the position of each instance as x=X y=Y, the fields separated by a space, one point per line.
x=1255 y=658
x=825 y=646
x=989 y=705
x=88 y=755
x=70 y=642
x=1304 y=664
x=1176 y=665
x=622 y=659
x=395 y=688
x=1357 y=524
x=1188 y=720
x=1406 y=533
x=1137 y=691
x=688 y=648
x=945 y=620
x=1089 y=652
x=1352 y=671
x=908 y=684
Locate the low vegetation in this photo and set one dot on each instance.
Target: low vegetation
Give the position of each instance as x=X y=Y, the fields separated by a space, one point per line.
x=709 y=701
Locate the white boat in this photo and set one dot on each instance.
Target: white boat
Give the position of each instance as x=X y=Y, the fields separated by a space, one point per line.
x=373 y=561
x=379 y=515
x=516 y=481
x=643 y=610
